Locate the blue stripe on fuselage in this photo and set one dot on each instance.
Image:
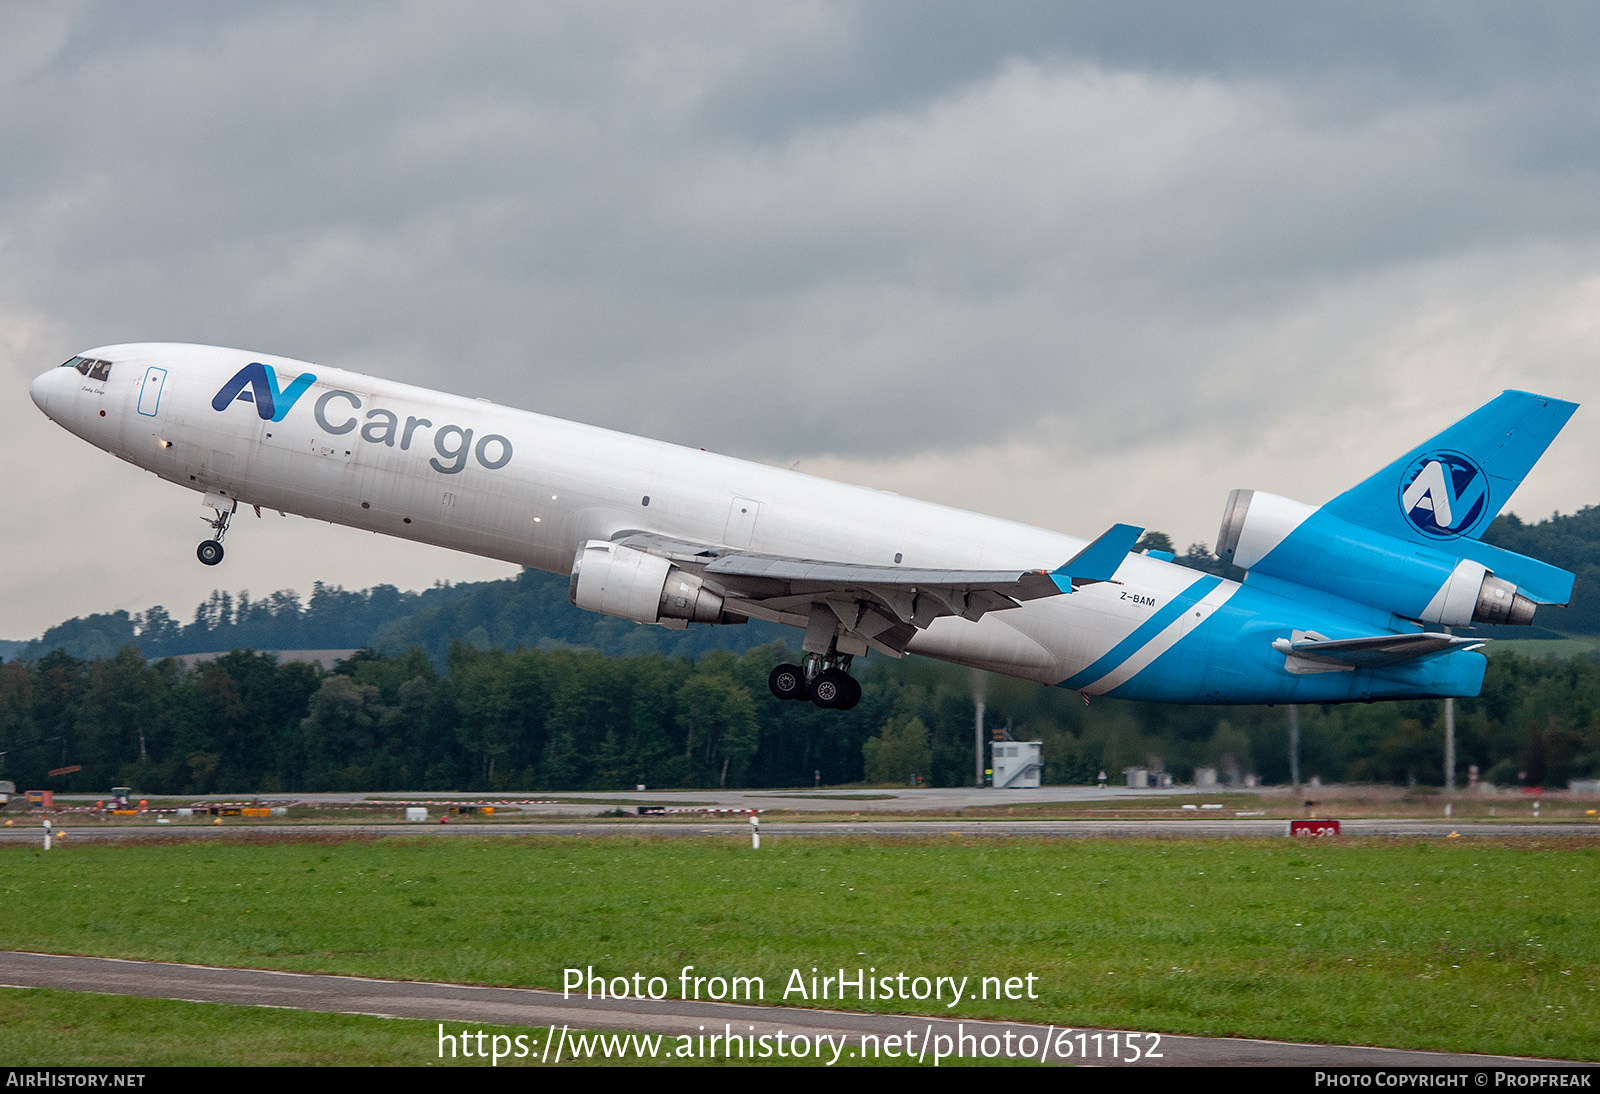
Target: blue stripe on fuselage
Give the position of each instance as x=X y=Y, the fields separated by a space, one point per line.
x=1143 y=633
x=1229 y=658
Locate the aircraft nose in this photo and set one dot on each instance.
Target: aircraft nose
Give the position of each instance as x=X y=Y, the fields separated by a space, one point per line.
x=40 y=390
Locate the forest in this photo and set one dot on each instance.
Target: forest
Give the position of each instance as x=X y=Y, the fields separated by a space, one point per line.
x=566 y=719
x=505 y=686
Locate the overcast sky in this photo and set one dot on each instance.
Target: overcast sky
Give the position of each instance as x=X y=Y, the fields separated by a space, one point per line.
x=1071 y=264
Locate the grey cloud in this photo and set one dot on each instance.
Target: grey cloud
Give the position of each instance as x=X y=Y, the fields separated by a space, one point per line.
x=869 y=231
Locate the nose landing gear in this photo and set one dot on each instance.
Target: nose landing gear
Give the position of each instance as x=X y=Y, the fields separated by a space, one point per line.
x=826 y=681
x=210 y=552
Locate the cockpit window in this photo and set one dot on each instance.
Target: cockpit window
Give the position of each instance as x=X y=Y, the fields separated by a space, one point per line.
x=91 y=367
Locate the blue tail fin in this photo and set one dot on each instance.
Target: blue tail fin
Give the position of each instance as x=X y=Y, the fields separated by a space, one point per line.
x=1456 y=483
x=1444 y=492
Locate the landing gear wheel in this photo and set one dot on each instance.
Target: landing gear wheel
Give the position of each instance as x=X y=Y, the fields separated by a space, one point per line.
x=851 y=696
x=210 y=552
x=787 y=682
x=830 y=688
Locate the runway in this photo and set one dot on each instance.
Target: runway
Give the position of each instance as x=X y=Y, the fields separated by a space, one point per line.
x=546 y=1013
x=821 y=799
x=739 y=828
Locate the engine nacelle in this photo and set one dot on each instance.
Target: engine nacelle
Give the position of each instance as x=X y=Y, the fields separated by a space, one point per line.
x=1287 y=539
x=640 y=586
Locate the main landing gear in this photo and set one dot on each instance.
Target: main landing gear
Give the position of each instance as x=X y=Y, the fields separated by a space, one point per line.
x=210 y=552
x=825 y=681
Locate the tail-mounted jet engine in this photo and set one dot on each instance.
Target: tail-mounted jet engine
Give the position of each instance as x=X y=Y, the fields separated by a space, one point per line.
x=1286 y=539
x=642 y=587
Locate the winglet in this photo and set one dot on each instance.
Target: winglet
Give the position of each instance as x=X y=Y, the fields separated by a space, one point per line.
x=1099 y=560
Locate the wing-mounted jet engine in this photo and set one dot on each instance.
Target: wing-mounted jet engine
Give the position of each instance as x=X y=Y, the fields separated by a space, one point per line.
x=646 y=588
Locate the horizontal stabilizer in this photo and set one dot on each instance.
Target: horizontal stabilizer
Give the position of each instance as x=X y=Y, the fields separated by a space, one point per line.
x=1371 y=651
x=1540 y=582
x=1099 y=560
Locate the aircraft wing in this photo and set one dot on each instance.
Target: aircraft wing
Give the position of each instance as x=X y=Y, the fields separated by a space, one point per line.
x=876 y=606
x=1370 y=651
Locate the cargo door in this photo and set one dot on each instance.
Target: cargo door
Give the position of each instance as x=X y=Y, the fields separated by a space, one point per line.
x=150 y=390
x=741 y=526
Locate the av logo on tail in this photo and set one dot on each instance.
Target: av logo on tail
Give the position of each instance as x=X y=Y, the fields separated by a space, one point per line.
x=257 y=383
x=1444 y=493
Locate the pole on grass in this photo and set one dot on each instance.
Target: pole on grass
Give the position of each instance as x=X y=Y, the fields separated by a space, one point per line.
x=1450 y=746
x=1294 y=747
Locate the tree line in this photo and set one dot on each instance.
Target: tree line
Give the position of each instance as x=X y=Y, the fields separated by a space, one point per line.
x=566 y=719
x=532 y=610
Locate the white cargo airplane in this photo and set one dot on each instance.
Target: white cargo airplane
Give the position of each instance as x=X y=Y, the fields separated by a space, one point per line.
x=1352 y=600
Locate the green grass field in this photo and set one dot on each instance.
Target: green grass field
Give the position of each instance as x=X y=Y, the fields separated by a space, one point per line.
x=78 y=1029
x=41 y=1028
x=1464 y=945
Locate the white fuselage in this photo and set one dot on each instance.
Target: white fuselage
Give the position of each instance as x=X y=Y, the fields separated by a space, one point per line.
x=479 y=477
